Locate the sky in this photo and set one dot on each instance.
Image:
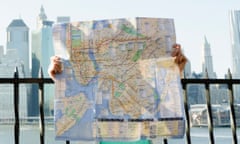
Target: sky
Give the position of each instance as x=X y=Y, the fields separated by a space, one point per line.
x=193 y=19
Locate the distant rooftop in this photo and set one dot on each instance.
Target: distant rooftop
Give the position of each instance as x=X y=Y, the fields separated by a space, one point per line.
x=17 y=23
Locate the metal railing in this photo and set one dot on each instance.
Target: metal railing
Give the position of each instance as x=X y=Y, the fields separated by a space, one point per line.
x=229 y=82
x=15 y=81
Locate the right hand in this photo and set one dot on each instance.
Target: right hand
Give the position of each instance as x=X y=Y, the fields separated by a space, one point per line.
x=55 y=66
x=180 y=59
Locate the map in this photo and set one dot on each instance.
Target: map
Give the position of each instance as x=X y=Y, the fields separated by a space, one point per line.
x=119 y=81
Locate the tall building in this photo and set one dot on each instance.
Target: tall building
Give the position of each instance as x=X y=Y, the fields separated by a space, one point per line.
x=41 y=17
x=235 y=45
x=16 y=56
x=8 y=64
x=196 y=92
x=18 y=38
x=207 y=64
x=42 y=50
x=218 y=92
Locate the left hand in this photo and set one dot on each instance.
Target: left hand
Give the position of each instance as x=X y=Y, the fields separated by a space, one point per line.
x=55 y=66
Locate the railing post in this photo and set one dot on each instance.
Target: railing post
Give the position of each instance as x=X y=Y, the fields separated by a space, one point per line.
x=41 y=107
x=209 y=111
x=16 y=106
x=232 y=111
x=165 y=141
x=187 y=126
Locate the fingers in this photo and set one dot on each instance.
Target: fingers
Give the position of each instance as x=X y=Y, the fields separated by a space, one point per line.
x=180 y=59
x=51 y=73
x=55 y=58
x=176 y=50
x=177 y=46
x=55 y=66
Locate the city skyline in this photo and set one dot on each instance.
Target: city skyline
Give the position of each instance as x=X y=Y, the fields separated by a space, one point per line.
x=193 y=21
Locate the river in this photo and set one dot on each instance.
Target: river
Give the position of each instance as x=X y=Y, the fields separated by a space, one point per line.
x=29 y=134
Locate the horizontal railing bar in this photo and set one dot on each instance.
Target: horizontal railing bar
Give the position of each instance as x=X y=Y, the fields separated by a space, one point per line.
x=210 y=81
x=184 y=81
x=26 y=80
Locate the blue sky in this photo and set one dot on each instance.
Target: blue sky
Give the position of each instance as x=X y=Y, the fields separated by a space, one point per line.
x=193 y=19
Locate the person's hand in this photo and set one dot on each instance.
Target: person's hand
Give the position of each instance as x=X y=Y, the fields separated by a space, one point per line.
x=55 y=66
x=180 y=59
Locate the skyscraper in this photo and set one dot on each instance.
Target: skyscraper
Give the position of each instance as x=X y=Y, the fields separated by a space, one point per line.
x=42 y=50
x=41 y=17
x=235 y=44
x=8 y=63
x=17 y=38
x=16 y=56
x=207 y=64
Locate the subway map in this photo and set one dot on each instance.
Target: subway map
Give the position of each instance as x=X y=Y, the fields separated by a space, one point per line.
x=119 y=81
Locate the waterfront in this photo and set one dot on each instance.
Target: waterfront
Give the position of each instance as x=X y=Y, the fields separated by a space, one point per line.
x=30 y=134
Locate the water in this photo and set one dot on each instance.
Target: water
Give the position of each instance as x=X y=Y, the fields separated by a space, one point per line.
x=29 y=134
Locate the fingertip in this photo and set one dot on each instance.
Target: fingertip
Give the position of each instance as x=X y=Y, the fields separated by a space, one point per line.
x=177 y=46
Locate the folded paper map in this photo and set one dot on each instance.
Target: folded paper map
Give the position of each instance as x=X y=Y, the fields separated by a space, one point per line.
x=119 y=81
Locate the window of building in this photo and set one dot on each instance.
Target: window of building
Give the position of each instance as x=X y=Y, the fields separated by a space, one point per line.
x=25 y=36
x=9 y=36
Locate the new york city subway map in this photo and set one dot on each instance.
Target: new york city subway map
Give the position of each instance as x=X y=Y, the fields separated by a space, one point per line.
x=119 y=81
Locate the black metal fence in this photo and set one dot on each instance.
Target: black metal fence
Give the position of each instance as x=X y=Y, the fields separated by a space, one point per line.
x=15 y=81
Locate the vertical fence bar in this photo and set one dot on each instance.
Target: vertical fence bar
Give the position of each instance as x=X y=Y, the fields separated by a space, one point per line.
x=187 y=126
x=209 y=111
x=41 y=108
x=232 y=111
x=165 y=141
x=16 y=106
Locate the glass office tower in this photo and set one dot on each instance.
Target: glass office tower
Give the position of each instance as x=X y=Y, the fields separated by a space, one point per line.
x=235 y=45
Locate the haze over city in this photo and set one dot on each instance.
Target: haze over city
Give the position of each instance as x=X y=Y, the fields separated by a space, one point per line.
x=193 y=21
